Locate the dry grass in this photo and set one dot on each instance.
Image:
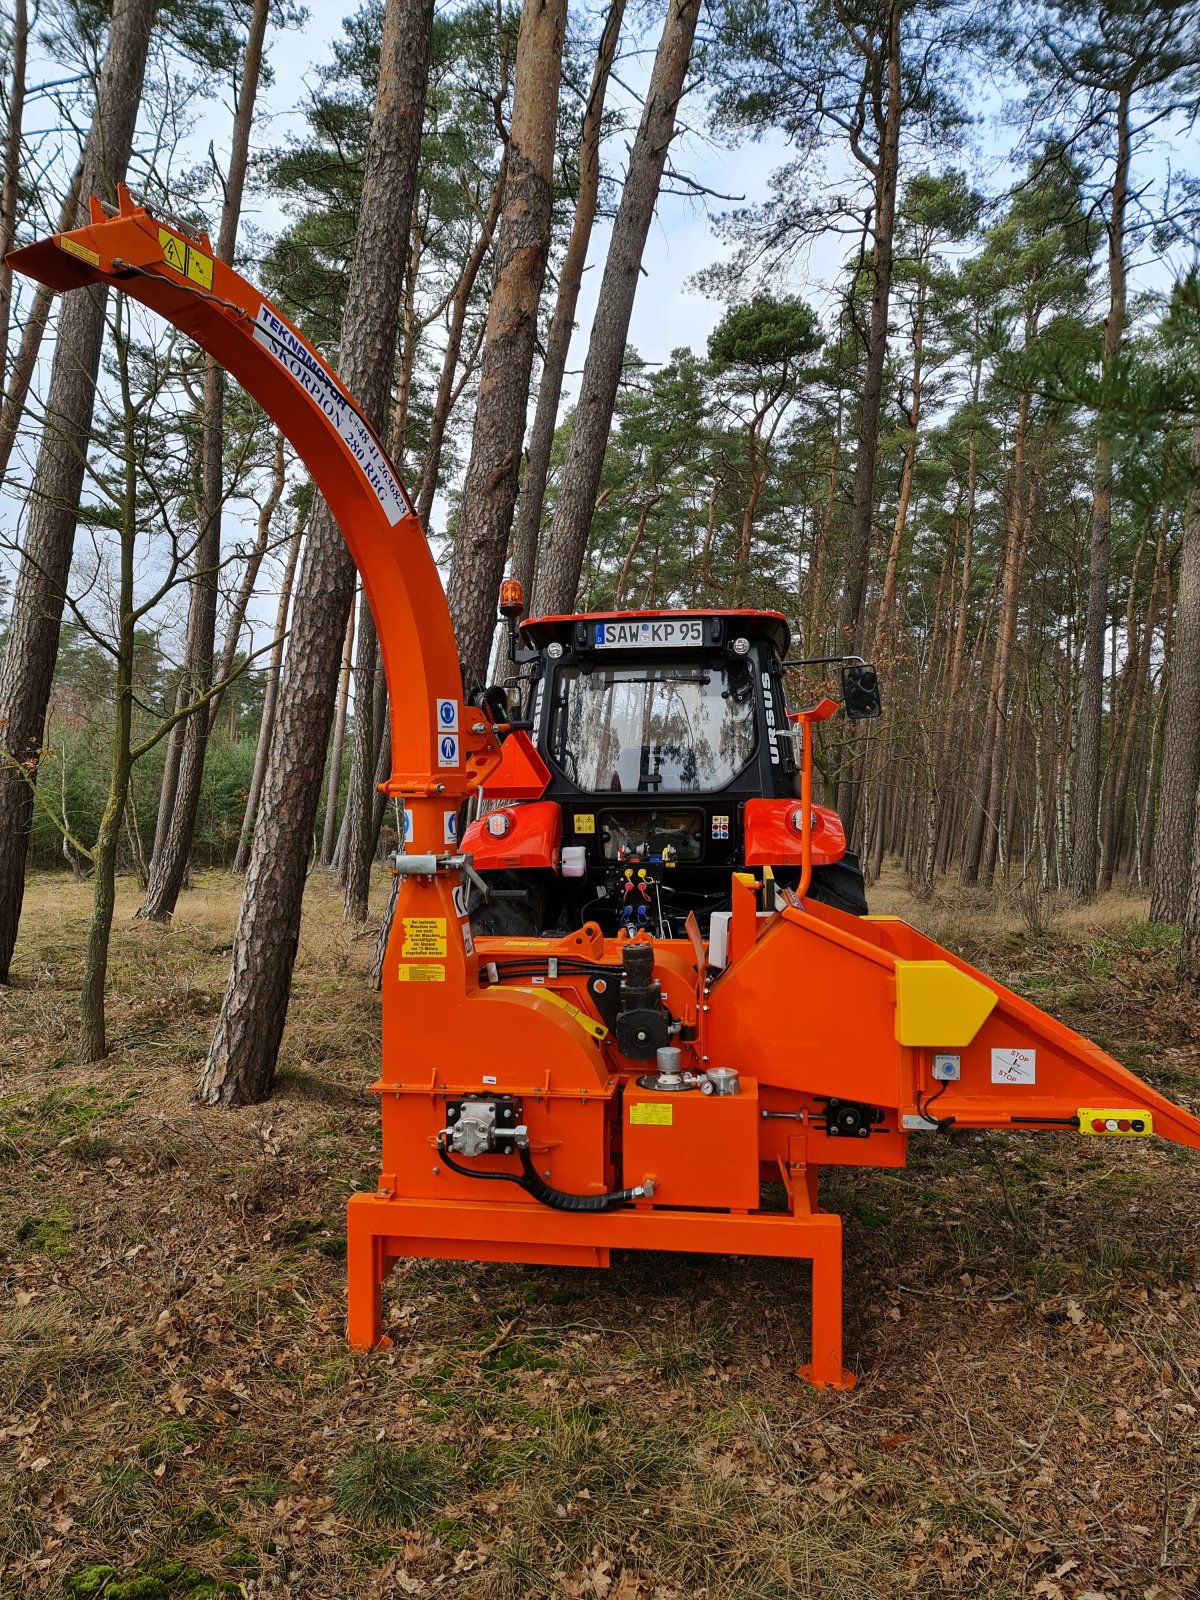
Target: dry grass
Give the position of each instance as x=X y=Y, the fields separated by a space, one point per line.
x=181 y=1417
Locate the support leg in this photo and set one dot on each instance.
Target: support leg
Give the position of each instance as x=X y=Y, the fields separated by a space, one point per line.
x=366 y=1268
x=825 y=1370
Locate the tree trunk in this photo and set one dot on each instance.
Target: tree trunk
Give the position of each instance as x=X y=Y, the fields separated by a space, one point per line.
x=1084 y=845
x=333 y=782
x=1172 y=866
x=1124 y=739
x=562 y=563
x=245 y=594
x=980 y=853
x=12 y=171
x=862 y=514
x=169 y=866
x=360 y=807
x=562 y=324
x=1189 y=946
x=241 y=858
x=92 y=1042
x=36 y=616
x=490 y=487
x=240 y=1068
x=26 y=361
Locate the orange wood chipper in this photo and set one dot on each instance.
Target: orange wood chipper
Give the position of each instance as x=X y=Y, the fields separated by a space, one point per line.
x=667 y=999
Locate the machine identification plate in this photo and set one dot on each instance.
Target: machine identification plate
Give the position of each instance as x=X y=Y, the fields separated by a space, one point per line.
x=422 y=974
x=424 y=936
x=654 y=1116
x=639 y=635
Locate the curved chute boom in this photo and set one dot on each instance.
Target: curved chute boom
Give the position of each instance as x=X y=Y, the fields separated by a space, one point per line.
x=441 y=751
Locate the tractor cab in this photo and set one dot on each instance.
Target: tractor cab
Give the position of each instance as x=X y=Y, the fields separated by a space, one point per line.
x=650 y=758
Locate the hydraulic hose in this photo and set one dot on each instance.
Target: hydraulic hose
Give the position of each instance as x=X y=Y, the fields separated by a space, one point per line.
x=536 y=1187
x=557 y=1200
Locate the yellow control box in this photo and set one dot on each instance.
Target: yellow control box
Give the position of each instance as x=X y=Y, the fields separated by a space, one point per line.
x=1120 y=1124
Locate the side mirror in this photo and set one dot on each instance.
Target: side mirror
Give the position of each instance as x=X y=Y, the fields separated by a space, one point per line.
x=493 y=700
x=860 y=692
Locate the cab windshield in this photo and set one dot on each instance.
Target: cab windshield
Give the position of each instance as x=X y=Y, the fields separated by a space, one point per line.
x=653 y=730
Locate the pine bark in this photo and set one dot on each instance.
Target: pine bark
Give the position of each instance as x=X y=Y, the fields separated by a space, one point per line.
x=566 y=546
x=240 y=1068
x=490 y=487
x=1085 y=844
x=36 y=616
x=10 y=180
x=168 y=869
x=1172 y=866
x=241 y=858
x=562 y=324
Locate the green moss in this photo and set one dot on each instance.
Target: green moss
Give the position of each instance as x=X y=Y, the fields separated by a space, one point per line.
x=136 y=1589
x=46 y=1235
x=88 y=1582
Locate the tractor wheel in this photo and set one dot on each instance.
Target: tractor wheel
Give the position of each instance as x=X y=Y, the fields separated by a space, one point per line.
x=515 y=911
x=841 y=886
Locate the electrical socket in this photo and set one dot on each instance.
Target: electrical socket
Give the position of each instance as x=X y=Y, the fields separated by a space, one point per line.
x=946 y=1069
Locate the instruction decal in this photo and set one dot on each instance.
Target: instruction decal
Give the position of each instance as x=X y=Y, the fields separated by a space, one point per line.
x=186 y=259
x=449 y=827
x=422 y=974
x=424 y=936
x=459 y=895
x=274 y=334
x=651 y=1116
x=1014 y=1066
x=447 y=750
x=585 y=822
x=79 y=250
x=447 y=716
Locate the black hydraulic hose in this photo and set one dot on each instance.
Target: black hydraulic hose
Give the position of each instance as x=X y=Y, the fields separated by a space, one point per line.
x=529 y=1180
x=557 y=1200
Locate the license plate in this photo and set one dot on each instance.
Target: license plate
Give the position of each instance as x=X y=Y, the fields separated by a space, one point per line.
x=642 y=635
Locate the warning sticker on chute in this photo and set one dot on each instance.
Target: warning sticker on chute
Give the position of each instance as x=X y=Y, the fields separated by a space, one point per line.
x=424 y=936
x=319 y=384
x=186 y=259
x=422 y=974
x=448 y=750
x=80 y=250
x=1014 y=1066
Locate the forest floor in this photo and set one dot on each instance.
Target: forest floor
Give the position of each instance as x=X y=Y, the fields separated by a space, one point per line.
x=180 y=1415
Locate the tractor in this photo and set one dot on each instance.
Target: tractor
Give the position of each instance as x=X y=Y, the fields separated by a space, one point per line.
x=659 y=758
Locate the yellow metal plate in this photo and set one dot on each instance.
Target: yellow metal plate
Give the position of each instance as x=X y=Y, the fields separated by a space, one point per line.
x=939 y=1006
x=651 y=1116
x=424 y=936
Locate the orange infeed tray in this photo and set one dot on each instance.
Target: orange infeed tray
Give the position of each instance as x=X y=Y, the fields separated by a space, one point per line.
x=701 y=1150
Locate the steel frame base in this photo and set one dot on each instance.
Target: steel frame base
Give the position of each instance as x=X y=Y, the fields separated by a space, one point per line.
x=381 y=1229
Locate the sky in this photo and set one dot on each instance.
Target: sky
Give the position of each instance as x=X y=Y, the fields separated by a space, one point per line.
x=669 y=310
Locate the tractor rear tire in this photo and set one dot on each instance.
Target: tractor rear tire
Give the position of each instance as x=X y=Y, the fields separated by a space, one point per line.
x=840 y=885
x=516 y=911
